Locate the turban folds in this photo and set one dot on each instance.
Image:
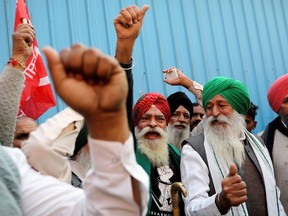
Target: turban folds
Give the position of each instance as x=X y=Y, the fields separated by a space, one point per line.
x=278 y=92
x=145 y=102
x=232 y=90
x=180 y=98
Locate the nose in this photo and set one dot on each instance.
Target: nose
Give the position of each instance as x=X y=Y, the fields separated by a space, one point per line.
x=153 y=123
x=198 y=117
x=215 y=111
x=181 y=118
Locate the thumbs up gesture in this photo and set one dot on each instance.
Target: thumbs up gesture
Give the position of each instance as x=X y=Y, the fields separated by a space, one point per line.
x=233 y=191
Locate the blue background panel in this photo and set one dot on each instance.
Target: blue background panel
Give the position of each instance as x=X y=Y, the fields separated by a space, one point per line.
x=243 y=39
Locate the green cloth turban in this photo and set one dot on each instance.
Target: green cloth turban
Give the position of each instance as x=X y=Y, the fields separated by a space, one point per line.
x=232 y=90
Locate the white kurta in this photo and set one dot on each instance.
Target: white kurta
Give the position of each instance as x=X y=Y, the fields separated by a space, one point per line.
x=280 y=161
x=107 y=187
x=47 y=149
x=194 y=175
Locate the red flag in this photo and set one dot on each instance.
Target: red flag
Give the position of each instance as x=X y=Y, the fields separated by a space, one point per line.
x=37 y=96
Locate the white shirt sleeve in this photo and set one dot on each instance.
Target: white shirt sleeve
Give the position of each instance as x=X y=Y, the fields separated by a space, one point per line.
x=47 y=150
x=107 y=187
x=194 y=176
x=197 y=90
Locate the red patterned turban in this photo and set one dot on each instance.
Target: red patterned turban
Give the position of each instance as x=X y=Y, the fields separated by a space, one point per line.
x=145 y=102
x=277 y=92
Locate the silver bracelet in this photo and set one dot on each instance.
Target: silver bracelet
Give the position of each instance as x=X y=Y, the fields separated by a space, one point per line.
x=133 y=64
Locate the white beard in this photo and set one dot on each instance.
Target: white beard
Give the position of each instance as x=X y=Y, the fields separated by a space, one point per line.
x=156 y=150
x=225 y=139
x=177 y=136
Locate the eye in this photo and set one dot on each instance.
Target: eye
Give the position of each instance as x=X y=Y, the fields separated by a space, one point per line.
x=144 y=118
x=160 y=118
x=22 y=136
x=186 y=116
x=175 y=114
x=209 y=107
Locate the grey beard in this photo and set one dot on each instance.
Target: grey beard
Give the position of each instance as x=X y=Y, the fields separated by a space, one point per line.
x=155 y=150
x=225 y=139
x=176 y=136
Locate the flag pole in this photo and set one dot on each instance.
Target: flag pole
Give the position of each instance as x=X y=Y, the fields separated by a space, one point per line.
x=37 y=95
x=23 y=20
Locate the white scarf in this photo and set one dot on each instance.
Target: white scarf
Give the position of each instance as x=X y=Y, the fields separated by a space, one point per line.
x=219 y=169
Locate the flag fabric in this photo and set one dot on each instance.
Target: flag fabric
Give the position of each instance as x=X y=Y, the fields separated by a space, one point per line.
x=37 y=95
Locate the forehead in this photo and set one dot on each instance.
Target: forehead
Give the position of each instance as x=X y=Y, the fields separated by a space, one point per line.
x=153 y=111
x=198 y=109
x=217 y=99
x=181 y=109
x=25 y=122
x=248 y=117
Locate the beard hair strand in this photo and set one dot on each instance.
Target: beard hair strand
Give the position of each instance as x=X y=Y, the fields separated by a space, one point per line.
x=155 y=150
x=177 y=136
x=225 y=139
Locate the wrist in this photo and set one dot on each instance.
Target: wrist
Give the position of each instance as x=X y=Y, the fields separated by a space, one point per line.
x=128 y=65
x=16 y=63
x=187 y=83
x=124 y=51
x=21 y=57
x=99 y=127
x=221 y=204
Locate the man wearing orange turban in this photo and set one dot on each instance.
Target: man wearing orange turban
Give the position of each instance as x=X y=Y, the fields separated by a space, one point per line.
x=159 y=159
x=276 y=134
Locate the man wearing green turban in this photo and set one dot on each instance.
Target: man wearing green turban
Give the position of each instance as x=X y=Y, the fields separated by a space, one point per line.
x=226 y=169
x=232 y=90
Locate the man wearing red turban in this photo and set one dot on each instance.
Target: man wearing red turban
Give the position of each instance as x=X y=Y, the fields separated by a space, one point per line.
x=276 y=134
x=159 y=159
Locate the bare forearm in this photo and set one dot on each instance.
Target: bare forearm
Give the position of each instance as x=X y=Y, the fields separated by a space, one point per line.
x=124 y=50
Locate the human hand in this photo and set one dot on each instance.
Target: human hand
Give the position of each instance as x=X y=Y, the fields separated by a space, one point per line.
x=127 y=26
x=233 y=190
x=181 y=80
x=94 y=85
x=23 y=39
x=129 y=22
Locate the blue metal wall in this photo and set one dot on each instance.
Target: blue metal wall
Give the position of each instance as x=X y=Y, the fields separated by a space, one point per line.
x=244 y=39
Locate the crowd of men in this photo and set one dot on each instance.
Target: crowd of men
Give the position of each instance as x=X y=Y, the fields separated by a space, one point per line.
x=103 y=156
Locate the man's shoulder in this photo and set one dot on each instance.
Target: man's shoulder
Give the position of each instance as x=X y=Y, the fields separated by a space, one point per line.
x=197 y=143
x=194 y=140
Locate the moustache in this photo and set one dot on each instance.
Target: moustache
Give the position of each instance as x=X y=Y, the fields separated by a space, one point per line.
x=180 y=124
x=220 y=118
x=148 y=129
x=196 y=122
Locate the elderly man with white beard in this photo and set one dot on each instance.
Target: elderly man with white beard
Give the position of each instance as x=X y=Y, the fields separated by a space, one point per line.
x=181 y=109
x=227 y=170
x=159 y=159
